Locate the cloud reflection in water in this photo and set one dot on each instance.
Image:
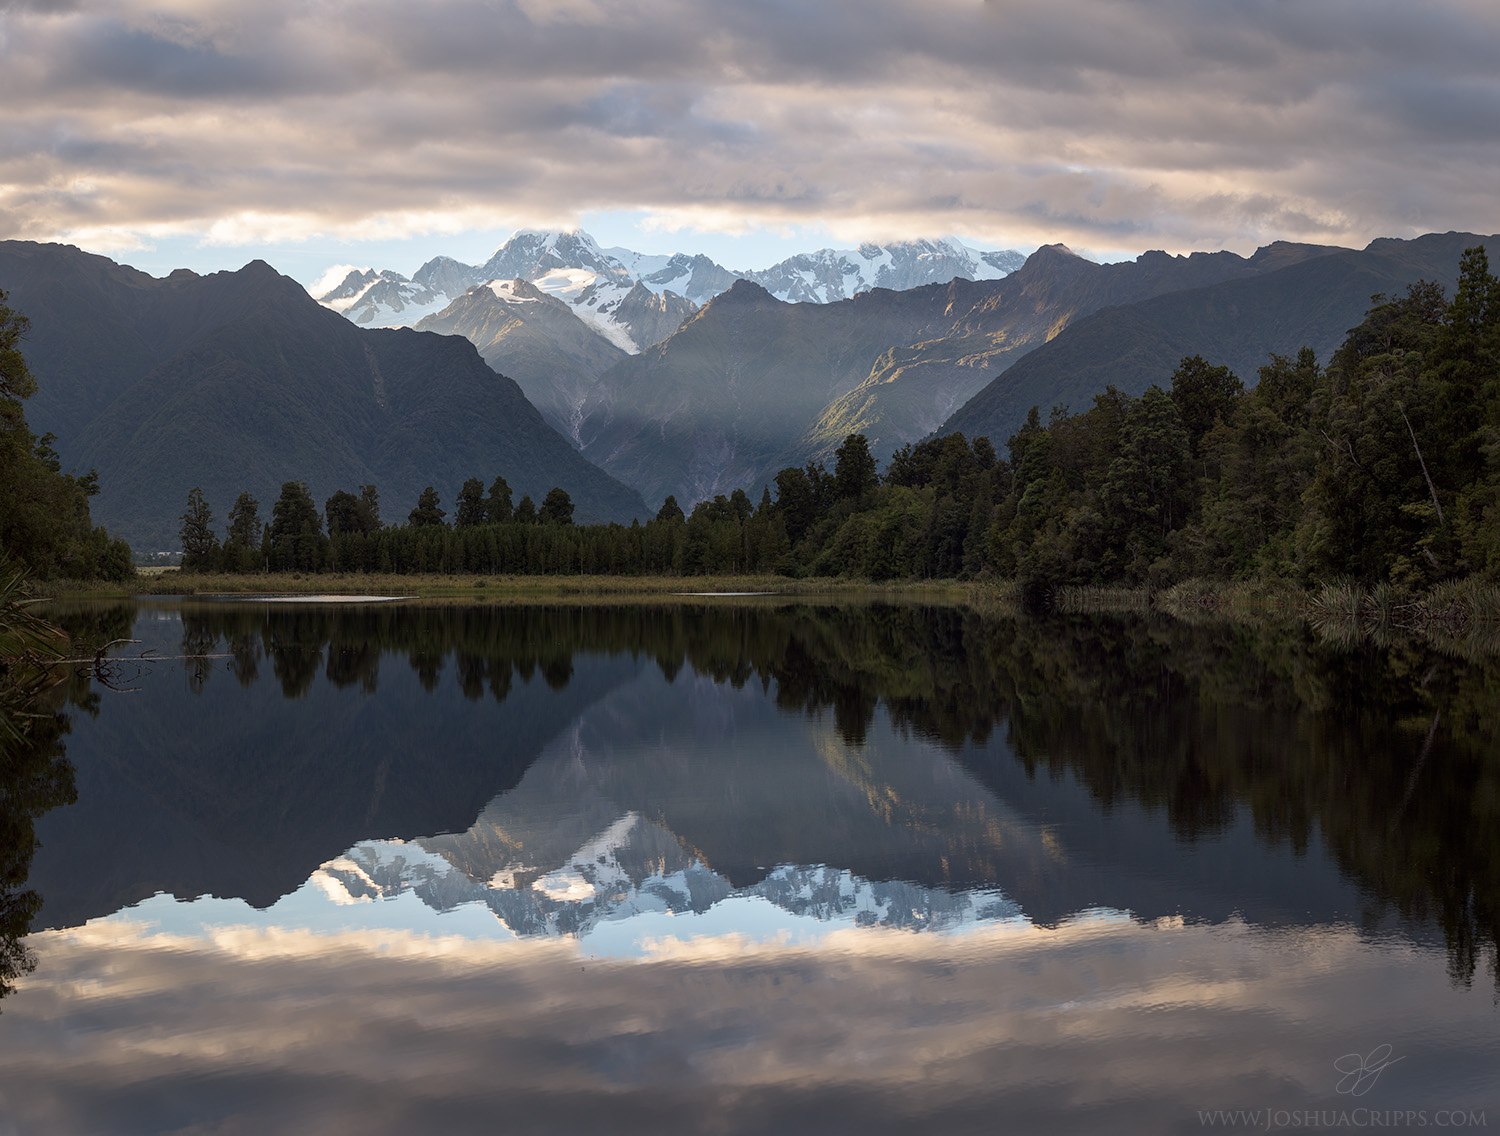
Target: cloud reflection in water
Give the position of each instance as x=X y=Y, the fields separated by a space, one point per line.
x=1099 y=1022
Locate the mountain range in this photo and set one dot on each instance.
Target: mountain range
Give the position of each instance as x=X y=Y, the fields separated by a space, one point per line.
x=593 y=280
x=240 y=381
x=516 y=307
x=1309 y=301
x=688 y=401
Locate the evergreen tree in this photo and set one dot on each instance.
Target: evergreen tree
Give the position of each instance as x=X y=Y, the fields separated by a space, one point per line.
x=670 y=511
x=200 y=545
x=296 y=530
x=242 y=541
x=557 y=508
x=347 y=514
x=497 y=506
x=796 y=502
x=426 y=514
x=1147 y=492
x=471 y=506
x=1204 y=395
x=244 y=522
x=370 y=497
x=854 y=469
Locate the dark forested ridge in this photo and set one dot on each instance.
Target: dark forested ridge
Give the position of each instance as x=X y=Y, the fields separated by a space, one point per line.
x=1295 y=302
x=751 y=383
x=1383 y=466
x=239 y=380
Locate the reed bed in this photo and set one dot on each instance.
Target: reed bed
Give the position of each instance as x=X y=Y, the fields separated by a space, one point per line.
x=505 y=589
x=1460 y=617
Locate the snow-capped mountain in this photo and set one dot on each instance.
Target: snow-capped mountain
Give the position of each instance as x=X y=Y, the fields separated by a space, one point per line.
x=634 y=867
x=388 y=299
x=837 y=274
x=595 y=281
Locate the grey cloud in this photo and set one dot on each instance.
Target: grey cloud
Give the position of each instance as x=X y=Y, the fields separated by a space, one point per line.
x=1090 y=1027
x=1184 y=120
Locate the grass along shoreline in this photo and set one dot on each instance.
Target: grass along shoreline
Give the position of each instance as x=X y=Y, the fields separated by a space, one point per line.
x=488 y=588
x=1453 y=607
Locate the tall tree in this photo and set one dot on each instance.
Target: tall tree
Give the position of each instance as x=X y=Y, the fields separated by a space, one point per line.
x=200 y=545
x=348 y=514
x=370 y=497
x=854 y=469
x=557 y=507
x=296 y=530
x=16 y=382
x=1204 y=395
x=670 y=510
x=244 y=522
x=242 y=541
x=497 y=507
x=427 y=512
x=796 y=502
x=471 y=506
x=1147 y=492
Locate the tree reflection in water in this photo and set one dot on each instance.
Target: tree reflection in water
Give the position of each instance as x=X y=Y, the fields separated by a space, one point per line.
x=1383 y=749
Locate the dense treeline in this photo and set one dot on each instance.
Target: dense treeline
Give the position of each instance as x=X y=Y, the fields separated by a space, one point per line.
x=1384 y=466
x=44 y=513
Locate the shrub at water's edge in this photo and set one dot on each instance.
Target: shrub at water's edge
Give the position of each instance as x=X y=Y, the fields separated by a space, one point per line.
x=44 y=513
x=34 y=774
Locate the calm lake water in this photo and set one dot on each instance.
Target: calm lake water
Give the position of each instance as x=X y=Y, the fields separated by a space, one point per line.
x=744 y=865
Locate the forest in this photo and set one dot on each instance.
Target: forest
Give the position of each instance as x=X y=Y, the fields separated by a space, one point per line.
x=1381 y=467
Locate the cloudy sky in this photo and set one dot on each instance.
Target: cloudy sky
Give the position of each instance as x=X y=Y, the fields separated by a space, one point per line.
x=207 y=132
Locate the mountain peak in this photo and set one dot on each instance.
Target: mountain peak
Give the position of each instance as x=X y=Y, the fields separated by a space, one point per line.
x=1056 y=251
x=744 y=291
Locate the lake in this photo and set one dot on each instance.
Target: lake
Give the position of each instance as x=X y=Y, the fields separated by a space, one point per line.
x=752 y=864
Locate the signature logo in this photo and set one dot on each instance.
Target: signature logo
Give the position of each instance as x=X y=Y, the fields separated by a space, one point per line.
x=1361 y=1072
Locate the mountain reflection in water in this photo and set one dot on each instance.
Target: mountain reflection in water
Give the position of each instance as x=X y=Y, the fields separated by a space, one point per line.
x=784 y=785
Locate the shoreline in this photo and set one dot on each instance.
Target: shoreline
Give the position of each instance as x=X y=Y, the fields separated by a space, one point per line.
x=1340 y=609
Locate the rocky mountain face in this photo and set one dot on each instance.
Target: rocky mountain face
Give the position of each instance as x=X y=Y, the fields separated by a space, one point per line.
x=1299 y=297
x=240 y=381
x=914 y=387
x=752 y=384
x=388 y=299
x=837 y=274
x=651 y=317
x=531 y=255
x=719 y=404
x=627 y=301
x=571 y=264
x=697 y=278
x=541 y=341
x=536 y=339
